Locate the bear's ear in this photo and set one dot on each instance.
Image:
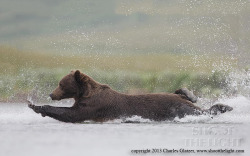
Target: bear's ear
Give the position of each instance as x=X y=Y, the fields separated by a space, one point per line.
x=79 y=77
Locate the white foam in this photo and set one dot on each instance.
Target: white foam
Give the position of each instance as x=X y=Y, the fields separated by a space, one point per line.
x=239 y=114
x=193 y=119
x=132 y=119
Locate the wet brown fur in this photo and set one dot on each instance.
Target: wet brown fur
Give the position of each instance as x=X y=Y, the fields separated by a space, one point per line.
x=98 y=102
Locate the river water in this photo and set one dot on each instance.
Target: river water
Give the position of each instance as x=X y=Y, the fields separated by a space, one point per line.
x=25 y=133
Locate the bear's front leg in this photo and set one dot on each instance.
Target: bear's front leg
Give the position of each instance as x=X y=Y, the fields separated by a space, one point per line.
x=65 y=114
x=38 y=109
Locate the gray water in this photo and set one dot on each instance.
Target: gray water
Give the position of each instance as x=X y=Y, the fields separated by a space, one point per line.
x=24 y=133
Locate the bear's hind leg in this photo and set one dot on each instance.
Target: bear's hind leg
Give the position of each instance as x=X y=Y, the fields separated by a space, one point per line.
x=187 y=94
x=219 y=108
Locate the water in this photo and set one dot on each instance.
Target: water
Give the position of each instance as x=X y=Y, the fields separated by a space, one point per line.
x=24 y=133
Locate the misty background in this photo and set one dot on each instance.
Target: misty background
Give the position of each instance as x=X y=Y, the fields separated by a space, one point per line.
x=113 y=26
x=122 y=43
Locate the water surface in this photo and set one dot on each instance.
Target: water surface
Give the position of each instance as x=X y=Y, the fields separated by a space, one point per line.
x=23 y=132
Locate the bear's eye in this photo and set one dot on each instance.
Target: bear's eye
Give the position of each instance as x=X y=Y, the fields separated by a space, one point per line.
x=60 y=85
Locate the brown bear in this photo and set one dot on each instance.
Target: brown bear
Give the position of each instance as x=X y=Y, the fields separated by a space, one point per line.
x=98 y=102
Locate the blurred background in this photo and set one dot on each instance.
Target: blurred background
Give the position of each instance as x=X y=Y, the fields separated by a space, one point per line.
x=135 y=46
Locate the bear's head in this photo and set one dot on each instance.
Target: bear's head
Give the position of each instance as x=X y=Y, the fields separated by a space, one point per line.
x=73 y=85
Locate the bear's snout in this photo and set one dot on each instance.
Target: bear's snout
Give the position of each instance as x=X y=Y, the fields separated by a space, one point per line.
x=52 y=96
x=57 y=94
